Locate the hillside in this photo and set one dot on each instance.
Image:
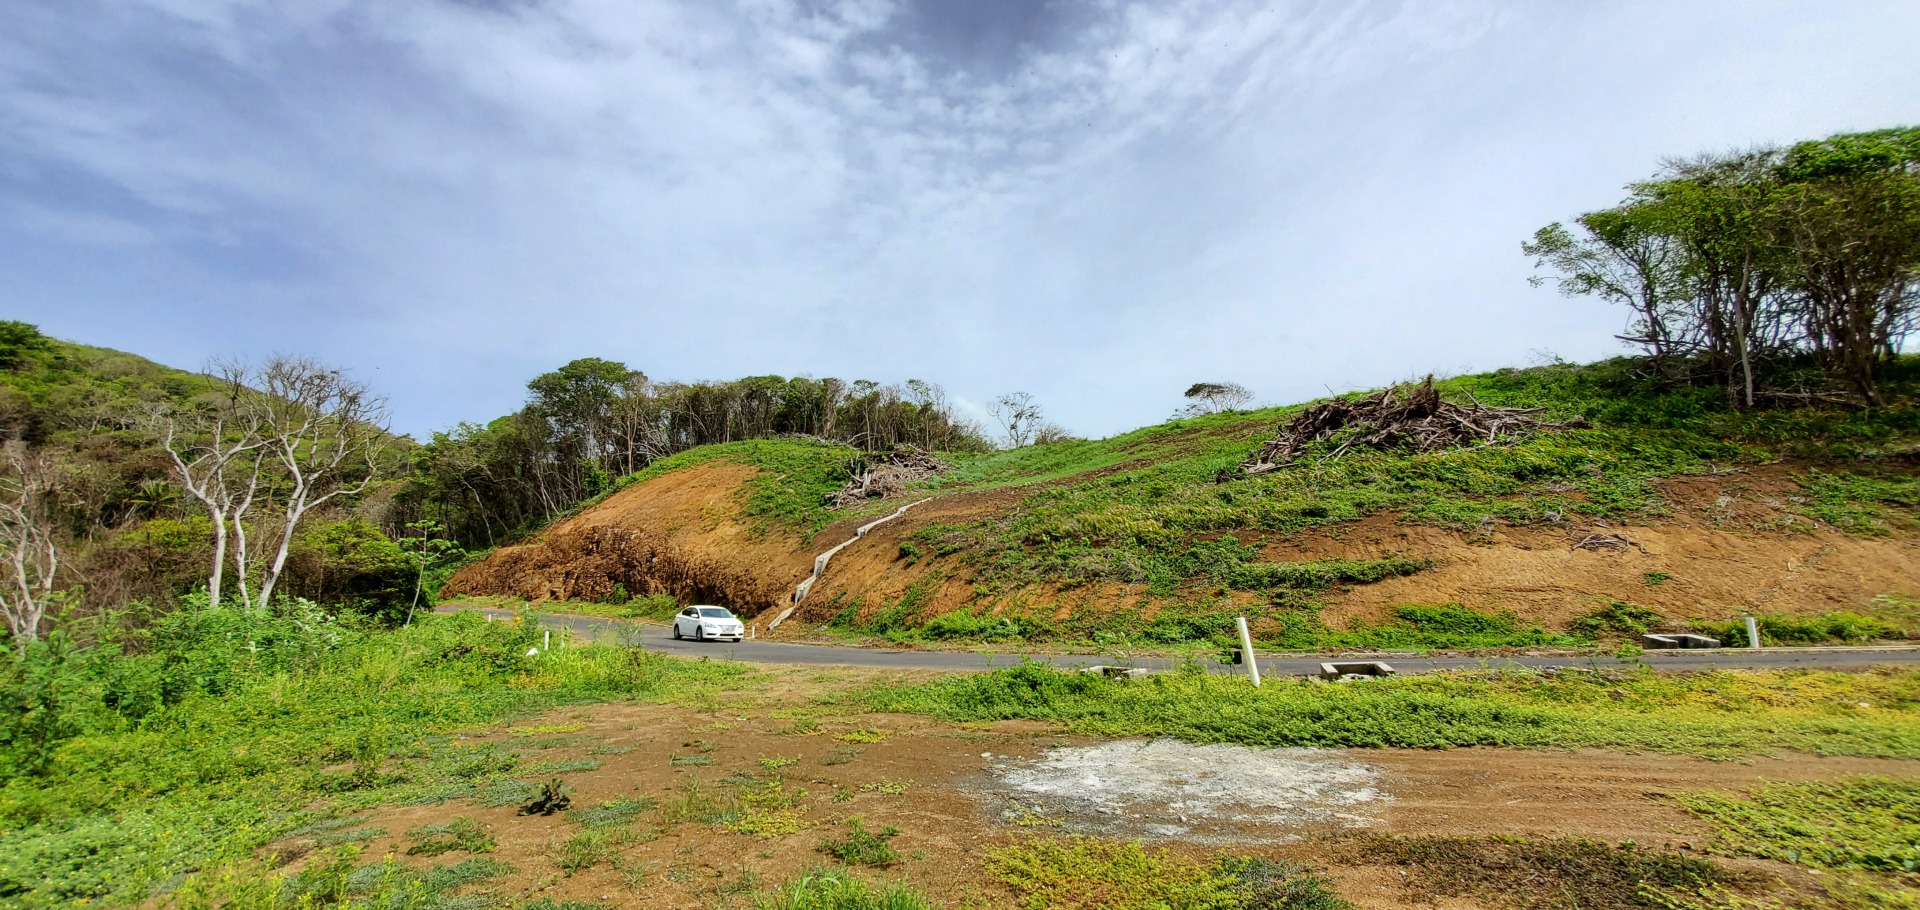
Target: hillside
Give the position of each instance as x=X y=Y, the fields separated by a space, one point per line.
x=130 y=536
x=1691 y=514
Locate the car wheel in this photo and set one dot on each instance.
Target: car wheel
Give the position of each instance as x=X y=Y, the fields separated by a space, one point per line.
x=676 y=632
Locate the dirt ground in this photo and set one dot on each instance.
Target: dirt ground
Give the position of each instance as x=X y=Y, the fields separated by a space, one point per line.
x=952 y=790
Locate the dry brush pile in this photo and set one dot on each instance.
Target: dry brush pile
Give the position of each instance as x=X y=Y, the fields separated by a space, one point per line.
x=880 y=475
x=1399 y=417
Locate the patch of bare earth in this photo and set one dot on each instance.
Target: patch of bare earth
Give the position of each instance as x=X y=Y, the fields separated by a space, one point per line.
x=952 y=790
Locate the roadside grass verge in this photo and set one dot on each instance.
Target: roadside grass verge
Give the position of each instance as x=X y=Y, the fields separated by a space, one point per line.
x=1720 y=714
x=229 y=732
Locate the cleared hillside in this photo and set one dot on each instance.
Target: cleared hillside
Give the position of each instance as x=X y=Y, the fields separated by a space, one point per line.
x=1690 y=513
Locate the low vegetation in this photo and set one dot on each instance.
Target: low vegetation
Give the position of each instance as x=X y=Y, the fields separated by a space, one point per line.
x=1080 y=873
x=832 y=888
x=1716 y=714
x=1562 y=873
x=1862 y=822
x=229 y=731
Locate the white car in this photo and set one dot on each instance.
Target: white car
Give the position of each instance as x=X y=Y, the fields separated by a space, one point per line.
x=708 y=624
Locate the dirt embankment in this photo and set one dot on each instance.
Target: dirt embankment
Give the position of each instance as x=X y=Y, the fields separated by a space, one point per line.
x=681 y=533
x=1729 y=542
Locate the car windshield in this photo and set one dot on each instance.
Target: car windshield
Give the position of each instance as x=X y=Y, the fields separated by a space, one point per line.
x=715 y=613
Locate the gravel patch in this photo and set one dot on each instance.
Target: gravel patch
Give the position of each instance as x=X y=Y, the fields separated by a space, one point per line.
x=1167 y=788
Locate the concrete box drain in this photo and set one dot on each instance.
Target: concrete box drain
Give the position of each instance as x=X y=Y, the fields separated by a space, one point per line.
x=1116 y=672
x=1678 y=641
x=1354 y=670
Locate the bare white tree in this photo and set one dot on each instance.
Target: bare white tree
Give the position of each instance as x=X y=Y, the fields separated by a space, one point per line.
x=324 y=433
x=217 y=454
x=1019 y=416
x=26 y=541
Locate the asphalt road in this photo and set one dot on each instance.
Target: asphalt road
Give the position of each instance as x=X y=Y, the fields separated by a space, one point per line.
x=659 y=638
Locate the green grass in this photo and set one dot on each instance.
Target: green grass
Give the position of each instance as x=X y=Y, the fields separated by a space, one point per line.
x=1862 y=822
x=1724 y=714
x=833 y=888
x=462 y=833
x=1081 y=873
x=1291 y=626
x=862 y=847
x=338 y=880
x=130 y=771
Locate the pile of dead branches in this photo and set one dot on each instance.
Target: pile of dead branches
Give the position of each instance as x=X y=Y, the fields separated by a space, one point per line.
x=877 y=475
x=1401 y=417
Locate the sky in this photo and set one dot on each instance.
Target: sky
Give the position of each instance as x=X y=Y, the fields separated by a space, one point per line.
x=1099 y=203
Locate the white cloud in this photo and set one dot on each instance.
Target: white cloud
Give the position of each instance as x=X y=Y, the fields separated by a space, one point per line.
x=452 y=197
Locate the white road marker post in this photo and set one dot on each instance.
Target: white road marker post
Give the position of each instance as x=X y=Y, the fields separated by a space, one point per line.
x=1753 y=632
x=1246 y=651
x=546 y=640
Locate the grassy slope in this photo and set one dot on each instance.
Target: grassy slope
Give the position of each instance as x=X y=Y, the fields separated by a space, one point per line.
x=77 y=380
x=1142 y=508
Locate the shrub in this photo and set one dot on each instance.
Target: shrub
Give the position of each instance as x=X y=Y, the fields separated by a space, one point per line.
x=1616 y=618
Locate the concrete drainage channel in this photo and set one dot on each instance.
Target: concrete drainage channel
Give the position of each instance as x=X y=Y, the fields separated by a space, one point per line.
x=820 y=562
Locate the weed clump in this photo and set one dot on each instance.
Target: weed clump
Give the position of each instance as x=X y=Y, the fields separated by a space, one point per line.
x=462 y=833
x=554 y=796
x=867 y=848
x=614 y=812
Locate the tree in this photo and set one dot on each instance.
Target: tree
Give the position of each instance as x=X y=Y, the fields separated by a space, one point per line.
x=216 y=452
x=325 y=433
x=1847 y=223
x=1715 y=207
x=17 y=340
x=1762 y=255
x=1214 y=397
x=1019 y=416
x=27 y=546
x=1621 y=257
x=427 y=548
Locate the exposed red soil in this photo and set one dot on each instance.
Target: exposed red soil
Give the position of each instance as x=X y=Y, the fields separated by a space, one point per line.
x=949 y=809
x=1729 y=544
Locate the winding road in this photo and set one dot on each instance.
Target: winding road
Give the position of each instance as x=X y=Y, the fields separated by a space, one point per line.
x=658 y=638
